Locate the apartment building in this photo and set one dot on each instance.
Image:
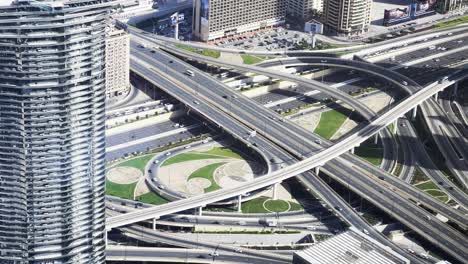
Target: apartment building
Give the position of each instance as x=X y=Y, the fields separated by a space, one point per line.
x=304 y=8
x=117 y=63
x=445 y=6
x=52 y=131
x=347 y=17
x=214 y=19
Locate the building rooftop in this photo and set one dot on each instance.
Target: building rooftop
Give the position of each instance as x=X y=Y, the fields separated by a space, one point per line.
x=351 y=247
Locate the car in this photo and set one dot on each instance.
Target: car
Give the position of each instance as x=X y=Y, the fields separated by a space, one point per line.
x=214 y=254
x=238 y=250
x=196 y=102
x=404 y=83
x=311 y=228
x=168 y=153
x=171 y=61
x=365 y=231
x=187 y=147
x=156 y=161
x=338 y=208
x=317 y=141
x=189 y=73
x=150 y=171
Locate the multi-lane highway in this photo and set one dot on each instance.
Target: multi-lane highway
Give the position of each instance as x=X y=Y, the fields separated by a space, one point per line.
x=389 y=111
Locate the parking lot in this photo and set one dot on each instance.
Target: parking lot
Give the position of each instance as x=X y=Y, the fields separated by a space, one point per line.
x=269 y=39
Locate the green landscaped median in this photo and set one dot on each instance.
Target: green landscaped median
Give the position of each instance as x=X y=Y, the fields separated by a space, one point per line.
x=371 y=152
x=451 y=23
x=207 y=173
x=183 y=157
x=257 y=206
x=120 y=190
x=223 y=151
x=209 y=53
x=249 y=59
x=330 y=122
x=139 y=162
x=429 y=187
x=152 y=198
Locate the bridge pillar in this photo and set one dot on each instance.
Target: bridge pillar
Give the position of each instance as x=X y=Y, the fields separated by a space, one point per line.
x=436 y=96
x=200 y=210
x=455 y=88
x=395 y=126
x=414 y=112
x=154 y=223
x=351 y=150
x=376 y=139
x=239 y=203
x=275 y=191
x=317 y=170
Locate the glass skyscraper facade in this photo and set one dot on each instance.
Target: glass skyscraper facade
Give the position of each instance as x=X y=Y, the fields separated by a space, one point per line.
x=52 y=125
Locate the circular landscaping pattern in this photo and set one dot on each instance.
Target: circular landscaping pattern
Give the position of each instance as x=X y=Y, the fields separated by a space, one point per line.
x=198 y=185
x=276 y=206
x=124 y=175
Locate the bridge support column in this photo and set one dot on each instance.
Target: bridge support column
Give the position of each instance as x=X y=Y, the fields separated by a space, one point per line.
x=376 y=139
x=275 y=191
x=239 y=203
x=395 y=126
x=414 y=112
x=455 y=88
x=154 y=223
x=200 y=211
x=351 y=150
x=317 y=170
x=436 y=96
x=105 y=237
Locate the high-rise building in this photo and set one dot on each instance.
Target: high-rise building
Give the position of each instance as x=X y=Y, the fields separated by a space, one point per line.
x=213 y=19
x=304 y=8
x=117 y=63
x=52 y=117
x=347 y=17
x=445 y=6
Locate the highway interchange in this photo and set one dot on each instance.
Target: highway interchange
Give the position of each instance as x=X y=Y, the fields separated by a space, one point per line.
x=202 y=94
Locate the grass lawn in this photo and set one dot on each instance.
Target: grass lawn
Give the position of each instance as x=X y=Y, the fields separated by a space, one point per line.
x=120 y=190
x=152 y=198
x=138 y=162
x=426 y=185
x=373 y=155
x=249 y=59
x=330 y=122
x=432 y=189
x=209 y=53
x=223 y=151
x=452 y=23
x=207 y=173
x=189 y=156
x=255 y=206
x=276 y=205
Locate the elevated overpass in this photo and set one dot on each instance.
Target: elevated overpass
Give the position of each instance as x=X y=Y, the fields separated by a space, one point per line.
x=318 y=159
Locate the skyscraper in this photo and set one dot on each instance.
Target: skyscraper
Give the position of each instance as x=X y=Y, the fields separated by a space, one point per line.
x=117 y=63
x=52 y=148
x=304 y=8
x=347 y=17
x=213 y=19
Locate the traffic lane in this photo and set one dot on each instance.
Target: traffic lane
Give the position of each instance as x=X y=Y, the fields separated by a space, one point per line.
x=143 y=132
x=453 y=242
x=119 y=153
x=426 y=164
x=201 y=107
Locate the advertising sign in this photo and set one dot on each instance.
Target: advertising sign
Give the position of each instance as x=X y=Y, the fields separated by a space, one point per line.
x=392 y=16
x=424 y=7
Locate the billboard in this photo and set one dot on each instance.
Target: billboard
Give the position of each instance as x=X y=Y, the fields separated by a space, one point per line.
x=424 y=7
x=396 y=15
